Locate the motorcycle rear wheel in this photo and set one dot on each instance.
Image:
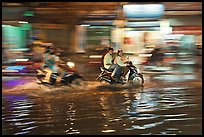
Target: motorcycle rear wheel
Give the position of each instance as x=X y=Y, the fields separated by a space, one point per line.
x=103 y=81
x=78 y=83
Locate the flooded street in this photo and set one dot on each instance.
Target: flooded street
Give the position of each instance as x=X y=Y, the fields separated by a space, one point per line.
x=102 y=68
x=167 y=104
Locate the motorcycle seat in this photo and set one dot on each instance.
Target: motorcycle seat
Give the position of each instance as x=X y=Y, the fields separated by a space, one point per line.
x=106 y=70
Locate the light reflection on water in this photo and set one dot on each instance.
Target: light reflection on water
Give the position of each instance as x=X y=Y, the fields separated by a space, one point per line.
x=152 y=111
x=171 y=78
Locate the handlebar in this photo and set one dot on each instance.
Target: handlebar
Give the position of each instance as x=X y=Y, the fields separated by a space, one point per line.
x=128 y=62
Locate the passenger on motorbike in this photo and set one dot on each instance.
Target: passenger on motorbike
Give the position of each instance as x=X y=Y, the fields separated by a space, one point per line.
x=122 y=61
x=51 y=64
x=108 y=64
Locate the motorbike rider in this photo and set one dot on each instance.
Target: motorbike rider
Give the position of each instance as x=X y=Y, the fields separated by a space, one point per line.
x=157 y=56
x=108 y=64
x=122 y=61
x=51 y=64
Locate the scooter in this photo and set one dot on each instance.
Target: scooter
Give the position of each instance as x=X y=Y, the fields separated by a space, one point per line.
x=70 y=77
x=134 y=76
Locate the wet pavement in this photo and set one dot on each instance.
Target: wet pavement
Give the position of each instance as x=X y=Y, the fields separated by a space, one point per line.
x=167 y=104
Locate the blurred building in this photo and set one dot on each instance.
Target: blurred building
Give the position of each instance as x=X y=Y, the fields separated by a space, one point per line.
x=81 y=27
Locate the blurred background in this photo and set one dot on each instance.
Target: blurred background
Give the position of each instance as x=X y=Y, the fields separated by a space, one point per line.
x=152 y=34
x=162 y=39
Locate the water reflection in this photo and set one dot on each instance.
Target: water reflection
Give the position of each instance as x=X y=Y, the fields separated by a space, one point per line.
x=18 y=119
x=174 y=78
x=144 y=111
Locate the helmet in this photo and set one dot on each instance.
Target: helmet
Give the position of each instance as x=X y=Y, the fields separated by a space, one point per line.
x=110 y=48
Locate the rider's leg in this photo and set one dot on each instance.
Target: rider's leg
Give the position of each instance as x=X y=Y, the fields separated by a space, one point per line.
x=116 y=72
x=61 y=73
x=127 y=75
x=48 y=75
x=125 y=71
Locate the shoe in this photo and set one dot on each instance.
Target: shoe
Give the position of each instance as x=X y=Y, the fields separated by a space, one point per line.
x=123 y=78
x=45 y=81
x=118 y=80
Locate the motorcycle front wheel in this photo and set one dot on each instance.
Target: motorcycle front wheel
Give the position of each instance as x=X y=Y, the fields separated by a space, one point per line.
x=139 y=80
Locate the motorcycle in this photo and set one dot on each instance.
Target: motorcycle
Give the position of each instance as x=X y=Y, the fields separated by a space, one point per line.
x=135 y=77
x=70 y=77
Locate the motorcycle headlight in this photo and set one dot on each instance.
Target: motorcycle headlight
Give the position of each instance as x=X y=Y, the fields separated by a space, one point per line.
x=70 y=64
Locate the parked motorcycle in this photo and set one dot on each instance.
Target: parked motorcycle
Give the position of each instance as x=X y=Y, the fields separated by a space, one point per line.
x=135 y=77
x=71 y=77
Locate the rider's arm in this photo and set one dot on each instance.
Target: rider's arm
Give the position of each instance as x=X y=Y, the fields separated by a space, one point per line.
x=119 y=61
x=49 y=58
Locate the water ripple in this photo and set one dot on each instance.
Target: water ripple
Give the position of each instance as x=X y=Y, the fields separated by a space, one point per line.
x=149 y=111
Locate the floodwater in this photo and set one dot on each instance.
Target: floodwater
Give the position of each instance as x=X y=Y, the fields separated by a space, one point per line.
x=160 y=107
x=167 y=104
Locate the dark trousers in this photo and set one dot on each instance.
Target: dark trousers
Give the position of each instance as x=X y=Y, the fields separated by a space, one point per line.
x=117 y=70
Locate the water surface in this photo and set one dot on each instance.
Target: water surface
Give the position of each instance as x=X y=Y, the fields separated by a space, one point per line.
x=168 y=110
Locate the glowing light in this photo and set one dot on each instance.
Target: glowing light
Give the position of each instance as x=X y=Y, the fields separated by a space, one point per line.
x=108 y=131
x=15 y=67
x=144 y=24
x=7 y=71
x=143 y=11
x=145 y=55
x=22 y=59
x=70 y=64
x=165 y=27
x=85 y=25
x=95 y=56
x=29 y=14
x=22 y=22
